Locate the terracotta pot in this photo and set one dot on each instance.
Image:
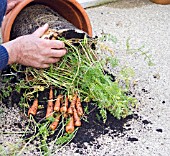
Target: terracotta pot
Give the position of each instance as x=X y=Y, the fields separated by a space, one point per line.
x=69 y=9
x=161 y=1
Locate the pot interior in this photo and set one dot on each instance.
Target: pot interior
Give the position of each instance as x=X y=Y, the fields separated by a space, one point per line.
x=36 y=15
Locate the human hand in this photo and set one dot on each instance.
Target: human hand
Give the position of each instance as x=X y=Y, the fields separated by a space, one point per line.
x=11 y=4
x=31 y=50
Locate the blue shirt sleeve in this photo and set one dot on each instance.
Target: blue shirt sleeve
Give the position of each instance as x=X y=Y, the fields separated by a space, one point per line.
x=3 y=5
x=3 y=57
x=3 y=52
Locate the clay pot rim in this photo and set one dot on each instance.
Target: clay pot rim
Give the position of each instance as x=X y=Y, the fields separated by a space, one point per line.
x=11 y=16
x=163 y=2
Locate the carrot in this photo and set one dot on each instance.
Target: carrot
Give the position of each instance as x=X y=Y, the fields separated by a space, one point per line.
x=55 y=35
x=79 y=107
x=33 y=109
x=64 y=106
x=65 y=115
x=54 y=125
x=47 y=35
x=53 y=38
x=51 y=94
x=72 y=105
x=70 y=125
x=29 y=78
x=73 y=102
x=57 y=103
x=70 y=110
x=77 y=121
x=50 y=106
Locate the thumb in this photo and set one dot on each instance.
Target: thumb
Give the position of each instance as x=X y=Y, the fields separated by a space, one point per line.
x=40 y=31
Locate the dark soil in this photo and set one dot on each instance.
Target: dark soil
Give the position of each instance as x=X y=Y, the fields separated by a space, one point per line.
x=95 y=127
x=132 y=139
x=159 y=130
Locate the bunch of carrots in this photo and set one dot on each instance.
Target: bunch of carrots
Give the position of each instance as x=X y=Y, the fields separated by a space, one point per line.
x=73 y=111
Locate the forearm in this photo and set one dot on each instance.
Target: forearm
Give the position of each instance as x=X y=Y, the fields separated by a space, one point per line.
x=3 y=57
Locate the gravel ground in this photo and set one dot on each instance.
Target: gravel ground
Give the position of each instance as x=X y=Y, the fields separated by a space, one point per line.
x=144 y=23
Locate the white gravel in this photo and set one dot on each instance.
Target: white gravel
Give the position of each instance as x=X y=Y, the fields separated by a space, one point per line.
x=148 y=24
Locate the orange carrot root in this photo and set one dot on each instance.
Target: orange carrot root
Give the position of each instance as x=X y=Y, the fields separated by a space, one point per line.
x=33 y=109
x=77 y=121
x=65 y=115
x=79 y=107
x=54 y=125
x=70 y=125
x=50 y=106
x=72 y=105
x=53 y=38
x=51 y=94
x=70 y=110
x=73 y=102
x=50 y=109
x=57 y=103
x=64 y=106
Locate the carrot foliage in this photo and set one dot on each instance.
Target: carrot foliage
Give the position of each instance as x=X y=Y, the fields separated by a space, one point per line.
x=84 y=70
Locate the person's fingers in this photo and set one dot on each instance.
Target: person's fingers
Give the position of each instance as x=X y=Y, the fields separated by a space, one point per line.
x=40 y=31
x=45 y=66
x=56 y=44
x=11 y=5
x=40 y=65
x=57 y=53
x=51 y=60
